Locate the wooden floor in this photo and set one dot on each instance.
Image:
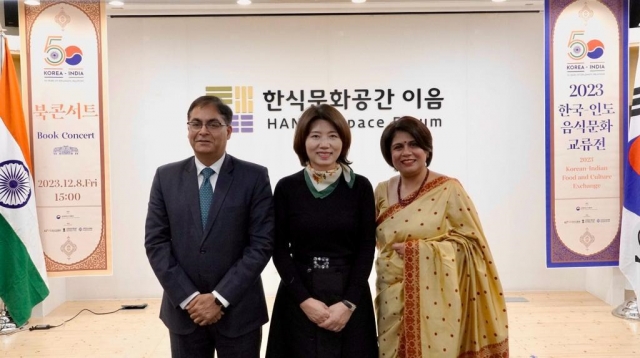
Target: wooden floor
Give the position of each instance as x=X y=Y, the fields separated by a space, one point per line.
x=558 y=324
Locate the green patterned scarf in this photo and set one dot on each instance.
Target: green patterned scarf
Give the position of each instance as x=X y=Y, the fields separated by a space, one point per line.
x=322 y=183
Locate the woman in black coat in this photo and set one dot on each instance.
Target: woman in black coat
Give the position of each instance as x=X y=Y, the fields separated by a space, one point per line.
x=325 y=243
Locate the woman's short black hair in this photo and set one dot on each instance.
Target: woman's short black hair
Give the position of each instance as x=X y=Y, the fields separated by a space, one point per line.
x=329 y=114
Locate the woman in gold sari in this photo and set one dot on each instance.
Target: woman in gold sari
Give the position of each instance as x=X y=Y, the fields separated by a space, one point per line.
x=439 y=294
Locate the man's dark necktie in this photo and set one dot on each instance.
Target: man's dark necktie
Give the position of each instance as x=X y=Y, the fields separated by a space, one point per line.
x=206 y=195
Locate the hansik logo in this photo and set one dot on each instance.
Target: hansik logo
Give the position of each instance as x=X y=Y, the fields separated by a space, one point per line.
x=55 y=54
x=240 y=98
x=578 y=49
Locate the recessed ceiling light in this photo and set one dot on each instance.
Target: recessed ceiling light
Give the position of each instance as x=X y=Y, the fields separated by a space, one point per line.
x=498 y=0
x=244 y=2
x=32 y=2
x=116 y=3
x=358 y=1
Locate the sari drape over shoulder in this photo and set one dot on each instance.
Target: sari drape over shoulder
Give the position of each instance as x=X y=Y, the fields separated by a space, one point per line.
x=444 y=299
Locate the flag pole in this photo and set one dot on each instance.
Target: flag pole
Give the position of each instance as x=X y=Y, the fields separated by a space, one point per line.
x=628 y=309
x=2 y=31
x=7 y=325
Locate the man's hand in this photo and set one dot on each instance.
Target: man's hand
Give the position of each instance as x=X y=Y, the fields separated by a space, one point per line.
x=399 y=248
x=316 y=311
x=203 y=309
x=339 y=315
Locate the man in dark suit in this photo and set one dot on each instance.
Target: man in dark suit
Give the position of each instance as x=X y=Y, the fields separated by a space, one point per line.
x=208 y=236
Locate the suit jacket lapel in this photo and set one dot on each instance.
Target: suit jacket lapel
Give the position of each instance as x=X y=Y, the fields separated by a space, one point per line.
x=192 y=192
x=225 y=178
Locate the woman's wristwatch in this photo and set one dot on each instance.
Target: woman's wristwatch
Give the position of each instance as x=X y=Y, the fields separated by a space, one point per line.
x=349 y=305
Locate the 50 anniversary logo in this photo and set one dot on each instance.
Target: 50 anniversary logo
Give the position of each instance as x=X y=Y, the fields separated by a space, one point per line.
x=56 y=54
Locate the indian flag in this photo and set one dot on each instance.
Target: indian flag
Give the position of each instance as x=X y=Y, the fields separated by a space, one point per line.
x=22 y=270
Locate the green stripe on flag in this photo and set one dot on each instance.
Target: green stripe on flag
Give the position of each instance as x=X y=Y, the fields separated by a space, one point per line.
x=21 y=286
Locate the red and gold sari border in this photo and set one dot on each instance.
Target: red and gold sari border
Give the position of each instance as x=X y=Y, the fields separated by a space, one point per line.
x=425 y=189
x=410 y=340
x=496 y=350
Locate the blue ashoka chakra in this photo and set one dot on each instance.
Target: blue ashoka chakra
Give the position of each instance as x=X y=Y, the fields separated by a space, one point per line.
x=15 y=184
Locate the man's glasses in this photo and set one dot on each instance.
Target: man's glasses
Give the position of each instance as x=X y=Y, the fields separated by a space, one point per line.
x=211 y=125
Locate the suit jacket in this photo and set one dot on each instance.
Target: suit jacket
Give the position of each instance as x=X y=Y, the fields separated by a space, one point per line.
x=227 y=255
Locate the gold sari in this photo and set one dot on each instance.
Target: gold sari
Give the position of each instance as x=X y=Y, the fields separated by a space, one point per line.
x=444 y=299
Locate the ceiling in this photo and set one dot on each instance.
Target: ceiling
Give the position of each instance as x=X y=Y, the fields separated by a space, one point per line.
x=182 y=7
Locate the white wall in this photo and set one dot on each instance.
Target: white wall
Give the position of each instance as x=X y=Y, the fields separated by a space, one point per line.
x=490 y=67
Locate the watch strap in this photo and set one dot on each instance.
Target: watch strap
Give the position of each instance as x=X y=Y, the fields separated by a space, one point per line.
x=349 y=305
